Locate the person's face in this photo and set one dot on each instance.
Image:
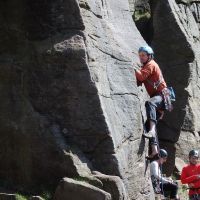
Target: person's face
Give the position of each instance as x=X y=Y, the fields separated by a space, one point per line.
x=163 y=160
x=193 y=160
x=144 y=57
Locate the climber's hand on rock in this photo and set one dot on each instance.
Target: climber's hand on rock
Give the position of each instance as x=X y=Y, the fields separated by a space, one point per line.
x=137 y=66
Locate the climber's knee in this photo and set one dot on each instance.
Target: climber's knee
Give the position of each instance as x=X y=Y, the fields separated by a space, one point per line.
x=153 y=141
x=148 y=104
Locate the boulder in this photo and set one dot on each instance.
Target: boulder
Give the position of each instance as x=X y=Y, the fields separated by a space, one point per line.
x=77 y=190
x=179 y=164
x=113 y=185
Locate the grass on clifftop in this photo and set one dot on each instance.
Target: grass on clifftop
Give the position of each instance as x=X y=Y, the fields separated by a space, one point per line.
x=45 y=195
x=138 y=16
x=23 y=193
x=21 y=197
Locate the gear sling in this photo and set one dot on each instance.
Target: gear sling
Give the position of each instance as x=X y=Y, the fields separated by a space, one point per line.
x=167 y=94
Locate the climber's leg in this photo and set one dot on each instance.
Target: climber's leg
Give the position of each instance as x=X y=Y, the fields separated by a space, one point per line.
x=154 y=104
x=154 y=149
x=152 y=127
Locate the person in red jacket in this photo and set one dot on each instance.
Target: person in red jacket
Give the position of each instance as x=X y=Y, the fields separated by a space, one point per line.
x=151 y=76
x=191 y=175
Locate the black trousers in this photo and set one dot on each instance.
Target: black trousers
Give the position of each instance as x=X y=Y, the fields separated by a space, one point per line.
x=195 y=197
x=169 y=188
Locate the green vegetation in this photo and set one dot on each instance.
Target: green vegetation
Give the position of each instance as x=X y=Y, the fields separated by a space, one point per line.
x=24 y=193
x=183 y=192
x=47 y=195
x=141 y=15
x=21 y=197
x=81 y=179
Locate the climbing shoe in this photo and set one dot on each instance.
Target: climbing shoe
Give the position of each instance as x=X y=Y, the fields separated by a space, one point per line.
x=148 y=135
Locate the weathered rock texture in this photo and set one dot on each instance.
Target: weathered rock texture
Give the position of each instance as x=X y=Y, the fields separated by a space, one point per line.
x=5 y=196
x=177 y=48
x=113 y=185
x=69 y=102
x=110 y=43
x=77 y=190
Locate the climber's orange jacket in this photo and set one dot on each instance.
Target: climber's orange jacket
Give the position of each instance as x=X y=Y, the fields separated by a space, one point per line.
x=190 y=174
x=151 y=75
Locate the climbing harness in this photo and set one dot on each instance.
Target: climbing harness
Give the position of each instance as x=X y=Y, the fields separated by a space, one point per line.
x=167 y=98
x=156 y=84
x=168 y=93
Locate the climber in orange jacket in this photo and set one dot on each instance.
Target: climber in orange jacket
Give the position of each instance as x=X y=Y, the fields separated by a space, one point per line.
x=191 y=175
x=151 y=76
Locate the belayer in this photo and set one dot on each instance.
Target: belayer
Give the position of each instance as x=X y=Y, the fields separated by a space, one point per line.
x=160 y=95
x=162 y=185
x=191 y=175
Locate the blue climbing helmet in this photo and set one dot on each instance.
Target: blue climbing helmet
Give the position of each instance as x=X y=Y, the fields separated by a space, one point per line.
x=146 y=49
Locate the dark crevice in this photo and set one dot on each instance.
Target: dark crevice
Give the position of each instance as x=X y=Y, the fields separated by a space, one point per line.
x=142 y=17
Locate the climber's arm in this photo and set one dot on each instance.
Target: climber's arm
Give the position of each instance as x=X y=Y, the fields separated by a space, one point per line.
x=188 y=179
x=155 y=172
x=195 y=185
x=143 y=73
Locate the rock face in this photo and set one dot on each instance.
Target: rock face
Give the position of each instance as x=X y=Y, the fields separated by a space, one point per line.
x=30 y=135
x=113 y=185
x=4 y=196
x=36 y=198
x=69 y=97
x=69 y=101
x=71 y=189
x=111 y=45
x=178 y=56
x=179 y=164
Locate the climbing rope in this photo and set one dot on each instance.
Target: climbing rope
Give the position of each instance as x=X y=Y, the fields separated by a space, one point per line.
x=161 y=169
